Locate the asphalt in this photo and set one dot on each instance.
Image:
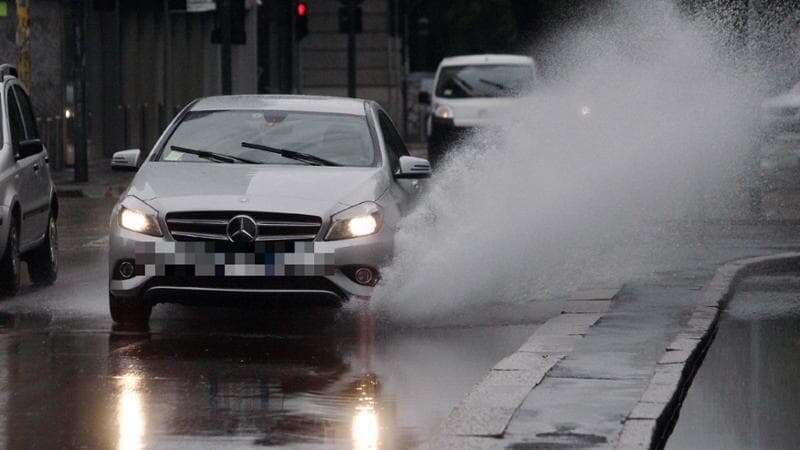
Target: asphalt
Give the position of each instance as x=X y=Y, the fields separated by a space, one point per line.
x=219 y=378
x=226 y=378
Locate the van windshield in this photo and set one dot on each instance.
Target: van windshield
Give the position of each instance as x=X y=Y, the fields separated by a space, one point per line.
x=496 y=80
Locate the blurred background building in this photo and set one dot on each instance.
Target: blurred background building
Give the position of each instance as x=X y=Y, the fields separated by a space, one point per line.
x=145 y=59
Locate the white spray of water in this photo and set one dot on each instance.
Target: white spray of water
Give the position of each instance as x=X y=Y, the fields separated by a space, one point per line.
x=555 y=198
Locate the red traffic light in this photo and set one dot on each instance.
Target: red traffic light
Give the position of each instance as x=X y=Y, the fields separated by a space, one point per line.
x=302 y=9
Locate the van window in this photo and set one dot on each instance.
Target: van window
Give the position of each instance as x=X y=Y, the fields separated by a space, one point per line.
x=28 y=119
x=14 y=121
x=495 y=80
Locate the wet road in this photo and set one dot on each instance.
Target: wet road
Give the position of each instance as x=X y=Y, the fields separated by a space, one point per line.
x=222 y=378
x=746 y=393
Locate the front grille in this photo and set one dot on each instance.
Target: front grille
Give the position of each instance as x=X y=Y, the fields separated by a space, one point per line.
x=212 y=226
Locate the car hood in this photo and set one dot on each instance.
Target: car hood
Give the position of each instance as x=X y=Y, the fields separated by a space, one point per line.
x=317 y=190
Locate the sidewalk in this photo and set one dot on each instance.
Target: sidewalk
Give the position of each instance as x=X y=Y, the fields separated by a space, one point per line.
x=103 y=182
x=586 y=375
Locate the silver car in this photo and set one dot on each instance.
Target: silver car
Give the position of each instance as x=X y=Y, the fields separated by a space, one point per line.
x=28 y=204
x=283 y=200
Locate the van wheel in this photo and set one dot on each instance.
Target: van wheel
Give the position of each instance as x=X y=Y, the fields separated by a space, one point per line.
x=129 y=311
x=9 y=264
x=43 y=261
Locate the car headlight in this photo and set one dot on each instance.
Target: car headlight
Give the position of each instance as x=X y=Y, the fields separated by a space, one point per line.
x=135 y=215
x=443 y=112
x=361 y=220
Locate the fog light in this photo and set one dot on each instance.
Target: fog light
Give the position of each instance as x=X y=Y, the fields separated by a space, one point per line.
x=125 y=269
x=364 y=276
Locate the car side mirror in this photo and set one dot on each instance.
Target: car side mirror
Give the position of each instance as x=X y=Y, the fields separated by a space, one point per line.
x=424 y=98
x=126 y=159
x=412 y=167
x=29 y=147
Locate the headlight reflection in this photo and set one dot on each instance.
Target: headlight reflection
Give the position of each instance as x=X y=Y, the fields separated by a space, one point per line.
x=130 y=413
x=366 y=431
x=366 y=424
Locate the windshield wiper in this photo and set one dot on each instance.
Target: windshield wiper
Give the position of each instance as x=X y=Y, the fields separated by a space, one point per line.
x=291 y=154
x=463 y=84
x=494 y=84
x=212 y=156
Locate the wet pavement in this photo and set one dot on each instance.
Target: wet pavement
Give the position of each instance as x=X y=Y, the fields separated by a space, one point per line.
x=221 y=378
x=746 y=393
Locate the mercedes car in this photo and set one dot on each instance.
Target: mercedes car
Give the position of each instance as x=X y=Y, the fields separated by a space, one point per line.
x=259 y=199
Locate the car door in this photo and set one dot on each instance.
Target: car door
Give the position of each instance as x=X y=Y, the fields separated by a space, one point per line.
x=26 y=176
x=40 y=182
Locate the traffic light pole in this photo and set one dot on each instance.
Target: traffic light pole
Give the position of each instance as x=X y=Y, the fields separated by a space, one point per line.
x=81 y=148
x=351 y=51
x=225 y=51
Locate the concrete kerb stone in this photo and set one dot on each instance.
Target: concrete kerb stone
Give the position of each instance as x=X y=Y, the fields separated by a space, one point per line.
x=486 y=411
x=651 y=421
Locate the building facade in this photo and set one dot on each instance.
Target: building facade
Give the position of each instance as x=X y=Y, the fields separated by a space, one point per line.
x=146 y=59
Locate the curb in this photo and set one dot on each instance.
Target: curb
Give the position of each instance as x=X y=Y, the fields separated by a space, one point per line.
x=650 y=423
x=484 y=414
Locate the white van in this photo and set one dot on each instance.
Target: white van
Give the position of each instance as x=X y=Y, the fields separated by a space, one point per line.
x=471 y=92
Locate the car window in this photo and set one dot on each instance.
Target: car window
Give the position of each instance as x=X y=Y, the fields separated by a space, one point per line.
x=28 y=119
x=14 y=120
x=496 y=80
x=394 y=142
x=341 y=138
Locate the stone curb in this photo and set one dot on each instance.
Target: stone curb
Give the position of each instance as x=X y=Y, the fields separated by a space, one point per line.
x=651 y=421
x=483 y=415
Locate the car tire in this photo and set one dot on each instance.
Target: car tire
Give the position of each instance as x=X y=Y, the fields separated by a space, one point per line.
x=43 y=261
x=10 y=262
x=129 y=311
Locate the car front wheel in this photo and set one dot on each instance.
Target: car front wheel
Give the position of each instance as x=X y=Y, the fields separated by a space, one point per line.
x=129 y=311
x=43 y=261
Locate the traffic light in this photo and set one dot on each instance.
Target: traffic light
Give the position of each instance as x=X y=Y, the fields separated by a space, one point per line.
x=300 y=20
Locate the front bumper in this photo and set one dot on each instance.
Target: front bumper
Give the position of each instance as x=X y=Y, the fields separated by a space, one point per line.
x=314 y=271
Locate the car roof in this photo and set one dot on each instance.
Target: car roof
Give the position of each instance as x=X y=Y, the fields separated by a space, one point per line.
x=309 y=103
x=486 y=59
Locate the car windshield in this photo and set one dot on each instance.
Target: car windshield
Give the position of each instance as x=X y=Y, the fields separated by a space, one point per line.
x=342 y=139
x=499 y=80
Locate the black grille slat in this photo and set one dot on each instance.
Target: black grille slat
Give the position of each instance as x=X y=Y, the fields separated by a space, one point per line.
x=212 y=225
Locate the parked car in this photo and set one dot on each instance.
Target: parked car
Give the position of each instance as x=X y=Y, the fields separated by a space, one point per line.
x=28 y=203
x=279 y=199
x=472 y=92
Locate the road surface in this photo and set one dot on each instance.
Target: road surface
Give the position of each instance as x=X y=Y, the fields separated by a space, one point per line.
x=219 y=378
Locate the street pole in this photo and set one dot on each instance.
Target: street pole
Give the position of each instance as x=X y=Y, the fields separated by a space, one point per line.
x=225 y=57
x=81 y=151
x=24 y=43
x=351 y=50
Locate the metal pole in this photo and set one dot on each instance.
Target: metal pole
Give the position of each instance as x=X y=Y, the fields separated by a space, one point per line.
x=225 y=57
x=81 y=150
x=351 y=51
x=23 y=44
x=167 y=100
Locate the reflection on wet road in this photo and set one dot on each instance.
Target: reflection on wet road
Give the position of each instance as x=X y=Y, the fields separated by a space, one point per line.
x=224 y=378
x=191 y=384
x=746 y=393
